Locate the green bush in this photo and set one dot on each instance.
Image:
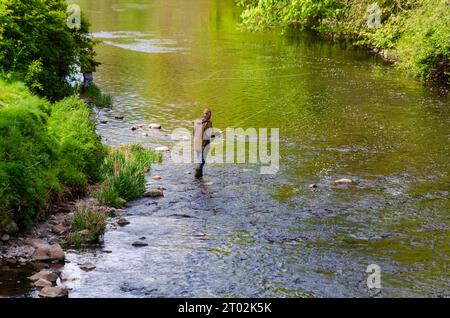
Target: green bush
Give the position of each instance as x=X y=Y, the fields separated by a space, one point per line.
x=39 y=48
x=91 y=222
x=124 y=173
x=27 y=153
x=80 y=149
x=44 y=150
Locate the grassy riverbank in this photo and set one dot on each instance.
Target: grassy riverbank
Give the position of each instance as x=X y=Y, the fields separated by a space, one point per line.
x=50 y=152
x=414 y=33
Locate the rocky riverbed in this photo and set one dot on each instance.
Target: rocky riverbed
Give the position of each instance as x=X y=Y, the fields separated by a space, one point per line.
x=42 y=250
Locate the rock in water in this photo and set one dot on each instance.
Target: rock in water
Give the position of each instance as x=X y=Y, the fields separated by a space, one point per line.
x=87 y=266
x=162 y=148
x=37 y=276
x=54 y=292
x=119 y=117
x=5 y=237
x=42 y=283
x=123 y=222
x=154 y=126
x=313 y=185
x=133 y=128
x=139 y=243
x=343 y=181
x=156 y=178
x=154 y=193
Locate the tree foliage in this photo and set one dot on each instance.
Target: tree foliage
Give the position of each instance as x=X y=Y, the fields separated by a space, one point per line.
x=414 y=32
x=38 y=47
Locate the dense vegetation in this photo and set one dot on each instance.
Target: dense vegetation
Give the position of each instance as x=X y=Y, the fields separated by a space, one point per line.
x=87 y=226
x=38 y=47
x=46 y=150
x=415 y=33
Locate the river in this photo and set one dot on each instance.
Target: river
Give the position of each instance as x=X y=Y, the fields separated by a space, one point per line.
x=342 y=113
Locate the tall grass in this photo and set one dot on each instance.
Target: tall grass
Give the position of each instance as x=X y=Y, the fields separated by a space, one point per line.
x=95 y=95
x=123 y=171
x=87 y=226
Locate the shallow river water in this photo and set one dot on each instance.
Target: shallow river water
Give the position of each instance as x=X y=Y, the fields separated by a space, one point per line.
x=342 y=113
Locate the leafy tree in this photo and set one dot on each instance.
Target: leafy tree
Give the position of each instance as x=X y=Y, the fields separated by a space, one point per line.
x=38 y=47
x=413 y=32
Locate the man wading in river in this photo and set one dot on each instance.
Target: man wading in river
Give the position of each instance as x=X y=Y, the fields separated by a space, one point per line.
x=202 y=138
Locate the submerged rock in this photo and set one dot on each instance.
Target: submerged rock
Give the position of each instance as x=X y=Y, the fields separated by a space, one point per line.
x=154 y=193
x=54 y=292
x=123 y=222
x=87 y=266
x=139 y=243
x=119 y=117
x=65 y=277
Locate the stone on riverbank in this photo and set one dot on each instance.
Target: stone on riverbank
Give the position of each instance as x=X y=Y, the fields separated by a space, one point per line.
x=10 y=228
x=49 y=253
x=35 y=242
x=154 y=193
x=54 y=292
x=59 y=229
x=5 y=237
